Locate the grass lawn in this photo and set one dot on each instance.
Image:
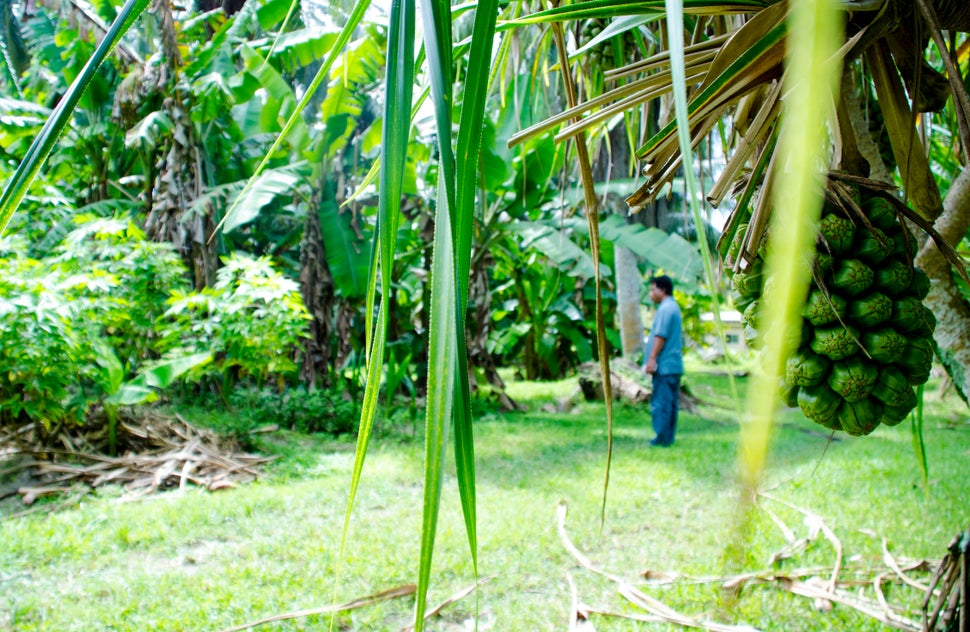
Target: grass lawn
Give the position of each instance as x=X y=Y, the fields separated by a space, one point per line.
x=195 y=560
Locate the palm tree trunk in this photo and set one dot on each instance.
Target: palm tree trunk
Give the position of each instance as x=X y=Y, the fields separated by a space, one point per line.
x=952 y=335
x=628 y=282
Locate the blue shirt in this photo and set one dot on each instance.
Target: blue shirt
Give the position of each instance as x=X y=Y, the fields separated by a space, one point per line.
x=667 y=324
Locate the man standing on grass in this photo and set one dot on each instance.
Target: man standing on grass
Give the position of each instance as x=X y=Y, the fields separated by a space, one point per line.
x=663 y=359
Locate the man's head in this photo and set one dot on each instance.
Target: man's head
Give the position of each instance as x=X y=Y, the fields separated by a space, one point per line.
x=660 y=288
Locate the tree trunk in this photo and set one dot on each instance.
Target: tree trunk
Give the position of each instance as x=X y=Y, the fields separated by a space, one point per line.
x=316 y=285
x=628 y=282
x=179 y=180
x=952 y=335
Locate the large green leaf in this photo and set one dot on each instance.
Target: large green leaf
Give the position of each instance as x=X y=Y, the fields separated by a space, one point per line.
x=271 y=13
x=557 y=245
x=279 y=100
x=298 y=49
x=146 y=133
x=677 y=256
x=159 y=376
x=348 y=257
x=267 y=187
x=19 y=120
x=42 y=146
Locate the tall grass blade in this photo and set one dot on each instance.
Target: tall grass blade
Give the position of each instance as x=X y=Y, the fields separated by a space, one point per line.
x=813 y=31
x=399 y=85
x=42 y=146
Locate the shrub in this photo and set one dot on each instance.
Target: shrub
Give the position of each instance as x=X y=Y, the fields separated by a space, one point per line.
x=299 y=409
x=252 y=322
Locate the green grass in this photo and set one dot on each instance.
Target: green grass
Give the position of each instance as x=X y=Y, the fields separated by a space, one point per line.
x=206 y=561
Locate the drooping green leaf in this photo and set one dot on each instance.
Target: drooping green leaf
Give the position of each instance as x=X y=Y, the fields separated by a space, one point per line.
x=298 y=49
x=146 y=133
x=399 y=86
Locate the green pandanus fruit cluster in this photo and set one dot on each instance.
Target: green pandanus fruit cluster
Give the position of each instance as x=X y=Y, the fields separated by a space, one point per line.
x=866 y=337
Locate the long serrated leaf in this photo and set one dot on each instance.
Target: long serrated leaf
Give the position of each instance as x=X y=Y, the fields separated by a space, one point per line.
x=399 y=85
x=468 y=158
x=445 y=319
x=442 y=366
x=44 y=143
x=613 y=8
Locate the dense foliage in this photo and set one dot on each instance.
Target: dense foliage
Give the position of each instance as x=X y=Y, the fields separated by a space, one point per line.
x=108 y=307
x=141 y=240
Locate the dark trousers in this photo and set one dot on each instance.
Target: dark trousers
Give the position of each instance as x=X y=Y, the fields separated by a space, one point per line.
x=663 y=407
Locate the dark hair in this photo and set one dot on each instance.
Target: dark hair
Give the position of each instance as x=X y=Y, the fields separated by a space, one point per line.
x=664 y=284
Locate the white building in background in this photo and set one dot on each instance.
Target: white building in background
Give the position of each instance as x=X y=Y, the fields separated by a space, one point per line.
x=733 y=332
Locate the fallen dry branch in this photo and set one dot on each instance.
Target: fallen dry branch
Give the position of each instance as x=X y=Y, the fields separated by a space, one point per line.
x=158 y=453
x=816 y=524
x=654 y=606
x=400 y=591
x=838 y=584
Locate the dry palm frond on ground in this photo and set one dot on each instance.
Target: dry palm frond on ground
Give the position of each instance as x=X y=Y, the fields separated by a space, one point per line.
x=156 y=453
